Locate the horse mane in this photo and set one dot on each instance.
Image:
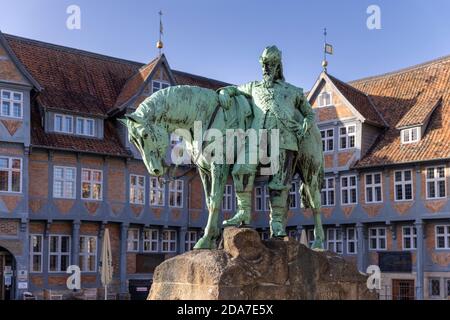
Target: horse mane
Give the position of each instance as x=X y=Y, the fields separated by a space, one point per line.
x=178 y=104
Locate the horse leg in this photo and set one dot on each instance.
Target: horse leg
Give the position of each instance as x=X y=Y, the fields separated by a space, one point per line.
x=219 y=175
x=313 y=194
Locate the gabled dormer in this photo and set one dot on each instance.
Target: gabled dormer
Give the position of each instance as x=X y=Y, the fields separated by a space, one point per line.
x=348 y=120
x=16 y=85
x=414 y=123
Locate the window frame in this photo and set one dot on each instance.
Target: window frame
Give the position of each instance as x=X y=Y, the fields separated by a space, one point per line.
x=174 y=191
x=347 y=137
x=189 y=243
x=135 y=189
x=265 y=198
x=293 y=195
x=373 y=187
x=34 y=253
x=227 y=202
x=85 y=121
x=59 y=253
x=377 y=237
x=409 y=132
x=412 y=238
x=326 y=191
x=169 y=241
x=134 y=240
x=154 y=191
x=348 y=188
x=403 y=183
x=85 y=255
x=320 y=101
x=11 y=102
x=325 y=140
x=352 y=241
x=335 y=241
x=445 y=235
x=436 y=181
x=10 y=170
x=161 y=84
x=64 y=129
x=91 y=182
x=150 y=241
x=63 y=182
x=430 y=283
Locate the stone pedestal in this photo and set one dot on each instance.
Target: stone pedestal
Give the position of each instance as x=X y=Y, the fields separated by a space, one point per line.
x=250 y=269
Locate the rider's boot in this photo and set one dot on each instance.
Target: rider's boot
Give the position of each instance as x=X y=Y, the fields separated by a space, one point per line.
x=243 y=216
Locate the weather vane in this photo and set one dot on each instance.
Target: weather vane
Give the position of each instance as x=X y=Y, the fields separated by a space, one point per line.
x=160 y=44
x=328 y=49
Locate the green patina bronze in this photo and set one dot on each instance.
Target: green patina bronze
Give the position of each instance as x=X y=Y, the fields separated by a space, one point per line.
x=269 y=104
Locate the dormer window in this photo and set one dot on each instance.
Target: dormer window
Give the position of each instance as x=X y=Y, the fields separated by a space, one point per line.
x=325 y=99
x=410 y=135
x=85 y=127
x=159 y=85
x=11 y=103
x=63 y=123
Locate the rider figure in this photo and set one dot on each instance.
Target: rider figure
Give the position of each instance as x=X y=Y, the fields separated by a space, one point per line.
x=276 y=105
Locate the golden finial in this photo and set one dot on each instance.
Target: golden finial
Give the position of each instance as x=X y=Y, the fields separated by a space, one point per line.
x=160 y=44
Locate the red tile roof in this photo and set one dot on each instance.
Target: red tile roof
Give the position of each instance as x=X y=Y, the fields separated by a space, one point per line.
x=402 y=95
x=360 y=101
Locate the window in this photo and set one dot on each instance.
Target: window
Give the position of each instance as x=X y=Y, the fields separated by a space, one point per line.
x=159 y=85
x=334 y=240
x=293 y=234
x=10 y=175
x=410 y=135
x=377 y=238
x=176 y=193
x=91 y=184
x=293 y=196
x=352 y=241
x=36 y=253
x=325 y=99
x=327 y=140
x=435 y=287
x=409 y=238
x=133 y=240
x=227 y=204
x=447 y=286
x=151 y=240
x=373 y=188
x=59 y=253
x=262 y=198
x=328 y=193
x=156 y=192
x=137 y=189
x=436 y=182
x=169 y=241
x=443 y=237
x=63 y=123
x=86 y=127
x=190 y=241
x=347 y=137
x=403 y=185
x=348 y=190
x=88 y=253
x=64 y=181
x=265 y=235
x=11 y=104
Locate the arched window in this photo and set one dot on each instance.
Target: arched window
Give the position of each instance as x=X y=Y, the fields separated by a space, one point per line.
x=325 y=99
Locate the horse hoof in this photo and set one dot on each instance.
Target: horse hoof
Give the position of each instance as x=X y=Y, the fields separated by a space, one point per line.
x=318 y=246
x=205 y=243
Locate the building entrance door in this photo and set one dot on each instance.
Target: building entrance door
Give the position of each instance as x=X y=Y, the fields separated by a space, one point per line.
x=403 y=290
x=6 y=275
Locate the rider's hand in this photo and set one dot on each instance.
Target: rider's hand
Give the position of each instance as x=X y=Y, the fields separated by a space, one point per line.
x=224 y=99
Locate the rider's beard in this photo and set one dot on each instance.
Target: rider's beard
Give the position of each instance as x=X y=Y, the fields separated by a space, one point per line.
x=269 y=79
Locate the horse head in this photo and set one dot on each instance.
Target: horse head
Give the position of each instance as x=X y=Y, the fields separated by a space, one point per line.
x=150 y=138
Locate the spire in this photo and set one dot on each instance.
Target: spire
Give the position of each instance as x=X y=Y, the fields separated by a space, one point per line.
x=160 y=44
x=327 y=49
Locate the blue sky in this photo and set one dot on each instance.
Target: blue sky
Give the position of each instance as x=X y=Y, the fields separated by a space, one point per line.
x=223 y=39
